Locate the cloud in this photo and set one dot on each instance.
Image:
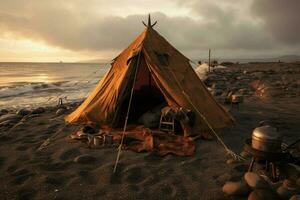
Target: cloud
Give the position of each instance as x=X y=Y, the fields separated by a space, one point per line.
x=101 y=26
x=281 y=19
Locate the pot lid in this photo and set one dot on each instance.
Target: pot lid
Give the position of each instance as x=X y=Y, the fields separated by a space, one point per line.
x=266 y=132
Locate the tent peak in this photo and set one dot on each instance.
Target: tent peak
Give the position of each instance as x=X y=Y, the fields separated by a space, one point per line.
x=149 y=24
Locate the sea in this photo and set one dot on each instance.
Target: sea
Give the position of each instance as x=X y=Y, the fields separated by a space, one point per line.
x=30 y=85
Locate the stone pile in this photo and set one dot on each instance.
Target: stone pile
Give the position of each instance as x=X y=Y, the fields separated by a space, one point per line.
x=241 y=79
x=258 y=188
x=9 y=118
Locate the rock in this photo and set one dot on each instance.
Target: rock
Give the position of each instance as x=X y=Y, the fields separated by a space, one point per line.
x=10 y=117
x=287 y=192
x=262 y=194
x=255 y=181
x=3 y=111
x=23 y=112
x=85 y=159
x=295 y=197
x=38 y=110
x=61 y=111
x=237 y=98
x=29 y=117
x=6 y=123
x=236 y=188
x=216 y=92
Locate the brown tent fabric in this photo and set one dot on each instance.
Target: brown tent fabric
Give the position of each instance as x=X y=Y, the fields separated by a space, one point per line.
x=159 y=65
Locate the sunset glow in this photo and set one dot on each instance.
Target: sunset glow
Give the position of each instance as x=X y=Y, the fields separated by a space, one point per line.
x=74 y=30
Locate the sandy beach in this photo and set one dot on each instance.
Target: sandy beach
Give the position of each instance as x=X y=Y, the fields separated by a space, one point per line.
x=68 y=169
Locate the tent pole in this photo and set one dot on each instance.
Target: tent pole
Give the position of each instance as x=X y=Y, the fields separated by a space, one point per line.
x=127 y=114
x=209 y=60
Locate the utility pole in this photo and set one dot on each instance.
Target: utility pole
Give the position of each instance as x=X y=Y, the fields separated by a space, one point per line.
x=209 y=60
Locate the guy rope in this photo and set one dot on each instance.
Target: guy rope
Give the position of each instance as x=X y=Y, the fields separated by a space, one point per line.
x=229 y=151
x=128 y=110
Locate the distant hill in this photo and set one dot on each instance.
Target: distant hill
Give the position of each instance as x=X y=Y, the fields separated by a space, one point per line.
x=288 y=58
x=285 y=58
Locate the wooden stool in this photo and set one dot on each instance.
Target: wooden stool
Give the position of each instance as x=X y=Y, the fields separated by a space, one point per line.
x=167 y=123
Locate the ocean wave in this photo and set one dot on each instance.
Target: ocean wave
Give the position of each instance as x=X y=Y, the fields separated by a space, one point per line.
x=25 y=88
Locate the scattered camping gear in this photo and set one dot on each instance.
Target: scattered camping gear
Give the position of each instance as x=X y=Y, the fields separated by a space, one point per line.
x=266 y=138
x=139 y=139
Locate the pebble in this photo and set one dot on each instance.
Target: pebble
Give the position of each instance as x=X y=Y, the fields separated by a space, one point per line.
x=60 y=111
x=262 y=194
x=255 y=181
x=10 y=117
x=4 y=111
x=38 y=110
x=85 y=159
x=23 y=112
x=6 y=123
x=287 y=192
x=236 y=188
x=295 y=197
x=29 y=117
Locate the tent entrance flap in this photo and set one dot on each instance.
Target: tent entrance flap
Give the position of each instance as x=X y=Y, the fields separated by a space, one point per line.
x=146 y=96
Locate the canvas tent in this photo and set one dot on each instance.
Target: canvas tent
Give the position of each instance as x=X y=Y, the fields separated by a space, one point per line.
x=156 y=72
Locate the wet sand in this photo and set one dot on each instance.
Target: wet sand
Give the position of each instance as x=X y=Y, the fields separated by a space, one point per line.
x=52 y=173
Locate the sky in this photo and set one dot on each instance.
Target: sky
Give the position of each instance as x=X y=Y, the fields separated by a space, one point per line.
x=81 y=30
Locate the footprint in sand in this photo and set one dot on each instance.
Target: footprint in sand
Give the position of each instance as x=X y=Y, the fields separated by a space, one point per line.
x=55 y=180
x=134 y=175
x=28 y=141
x=69 y=154
x=23 y=158
x=22 y=148
x=21 y=176
x=2 y=161
x=116 y=178
x=57 y=166
x=12 y=168
x=151 y=157
x=87 y=177
x=25 y=194
x=165 y=190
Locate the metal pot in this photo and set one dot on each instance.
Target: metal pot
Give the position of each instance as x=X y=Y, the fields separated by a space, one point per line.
x=266 y=138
